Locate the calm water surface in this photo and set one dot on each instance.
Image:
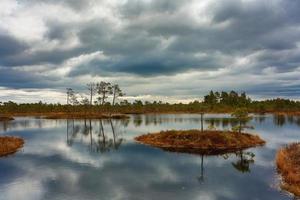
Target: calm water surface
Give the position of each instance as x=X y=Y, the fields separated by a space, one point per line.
x=93 y=159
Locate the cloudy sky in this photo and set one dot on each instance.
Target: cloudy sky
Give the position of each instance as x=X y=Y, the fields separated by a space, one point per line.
x=170 y=50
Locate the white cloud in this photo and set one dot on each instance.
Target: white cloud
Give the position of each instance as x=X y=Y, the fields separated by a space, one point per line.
x=168 y=50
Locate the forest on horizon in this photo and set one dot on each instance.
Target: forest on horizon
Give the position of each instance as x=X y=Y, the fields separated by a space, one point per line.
x=101 y=93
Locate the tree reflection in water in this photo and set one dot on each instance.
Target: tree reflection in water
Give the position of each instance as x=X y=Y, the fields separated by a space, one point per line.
x=244 y=161
x=100 y=140
x=72 y=131
x=279 y=120
x=201 y=177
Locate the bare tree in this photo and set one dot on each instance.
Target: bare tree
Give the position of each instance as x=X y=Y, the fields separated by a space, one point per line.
x=92 y=89
x=202 y=113
x=70 y=93
x=104 y=89
x=71 y=97
x=74 y=99
x=84 y=101
x=117 y=92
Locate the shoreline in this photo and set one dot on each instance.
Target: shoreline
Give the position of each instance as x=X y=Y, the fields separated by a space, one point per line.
x=288 y=166
x=6 y=118
x=114 y=115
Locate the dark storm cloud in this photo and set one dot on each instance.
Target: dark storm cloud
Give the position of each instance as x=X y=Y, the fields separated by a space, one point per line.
x=77 y=5
x=22 y=79
x=137 y=8
x=284 y=91
x=252 y=26
x=99 y=35
x=147 y=65
x=10 y=46
x=155 y=37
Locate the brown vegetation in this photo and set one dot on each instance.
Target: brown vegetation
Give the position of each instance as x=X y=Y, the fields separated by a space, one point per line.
x=289 y=113
x=206 y=142
x=288 y=164
x=10 y=145
x=85 y=116
x=6 y=118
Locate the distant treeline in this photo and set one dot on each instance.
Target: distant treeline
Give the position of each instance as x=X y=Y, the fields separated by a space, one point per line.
x=213 y=102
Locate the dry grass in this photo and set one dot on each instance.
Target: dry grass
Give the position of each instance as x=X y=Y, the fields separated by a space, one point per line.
x=9 y=145
x=206 y=142
x=6 y=118
x=288 y=164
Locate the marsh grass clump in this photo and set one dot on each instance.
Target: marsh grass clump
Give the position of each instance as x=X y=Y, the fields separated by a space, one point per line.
x=10 y=145
x=201 y=142
x=288 y=165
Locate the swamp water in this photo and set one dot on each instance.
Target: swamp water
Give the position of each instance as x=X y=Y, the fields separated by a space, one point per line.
x=99 y=159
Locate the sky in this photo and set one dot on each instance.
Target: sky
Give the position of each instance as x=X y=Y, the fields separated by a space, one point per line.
x=168 y=50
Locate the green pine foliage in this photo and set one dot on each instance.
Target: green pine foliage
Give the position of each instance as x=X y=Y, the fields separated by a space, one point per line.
x=216 y=102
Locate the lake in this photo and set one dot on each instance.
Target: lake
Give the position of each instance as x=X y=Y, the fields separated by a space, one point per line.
x=99 y=159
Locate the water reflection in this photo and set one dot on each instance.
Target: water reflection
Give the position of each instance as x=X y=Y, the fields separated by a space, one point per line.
x=62 y=160
x=157 y=119
x=280 y=119
x=223 y=122
x=207 y=120
x=201 y=177
x=244 y=161
x=100 y=140
x=26 y=123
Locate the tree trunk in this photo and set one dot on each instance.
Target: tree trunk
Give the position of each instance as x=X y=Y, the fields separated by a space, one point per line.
x=103 y=135
x=113 y=131
x=202 y=168
x=103 y=96
x=67 y=131
x=91 y=134
x=91 y=97
x=201 y=122
x=113 y=103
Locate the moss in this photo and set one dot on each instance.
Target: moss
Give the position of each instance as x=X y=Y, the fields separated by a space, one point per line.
x=10 y=145
x=288 y=165
x=206 y=142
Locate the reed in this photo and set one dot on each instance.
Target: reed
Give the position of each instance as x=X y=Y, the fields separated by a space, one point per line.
x=288 y=165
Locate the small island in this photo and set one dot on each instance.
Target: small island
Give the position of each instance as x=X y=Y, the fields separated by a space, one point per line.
x=288 y=165
x=201 y=142
x=10 y=145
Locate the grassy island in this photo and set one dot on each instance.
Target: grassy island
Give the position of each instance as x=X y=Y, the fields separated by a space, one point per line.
x=288 y=165
x=201 y=142
x=10 y=145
